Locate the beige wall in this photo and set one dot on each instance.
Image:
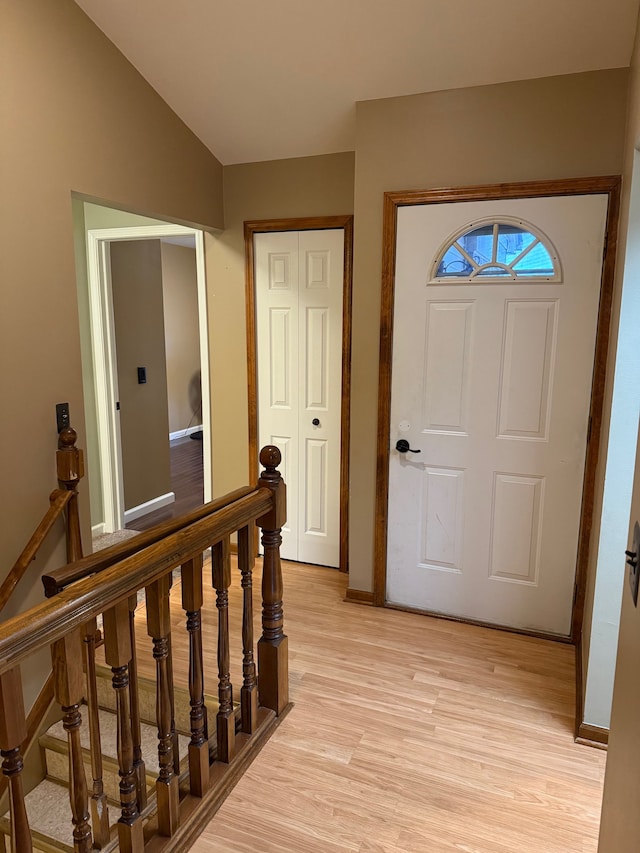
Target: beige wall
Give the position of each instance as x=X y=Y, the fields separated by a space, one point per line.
x=75 y=117
x=136 y=284
x=556 y=127
x=308 y=186
x=182 y=338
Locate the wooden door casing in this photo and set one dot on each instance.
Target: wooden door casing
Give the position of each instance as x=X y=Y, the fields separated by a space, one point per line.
x=609 y=185
x=252 y=227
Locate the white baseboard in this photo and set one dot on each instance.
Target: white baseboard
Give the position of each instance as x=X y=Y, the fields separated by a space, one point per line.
x=98 y=529
x=181 y=433
x=148 y=506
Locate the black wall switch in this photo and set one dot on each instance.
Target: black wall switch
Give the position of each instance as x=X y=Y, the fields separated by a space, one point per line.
x=62 y=416
x=142 y=375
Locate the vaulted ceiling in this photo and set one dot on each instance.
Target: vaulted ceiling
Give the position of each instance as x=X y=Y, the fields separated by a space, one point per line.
x=260 y=80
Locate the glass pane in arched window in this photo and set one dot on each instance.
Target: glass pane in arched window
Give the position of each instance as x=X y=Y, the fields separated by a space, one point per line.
x=454 y=264
x=495 y=272
x=536 y=262
x=512 y=241
x=478 y=244
x=498 y=250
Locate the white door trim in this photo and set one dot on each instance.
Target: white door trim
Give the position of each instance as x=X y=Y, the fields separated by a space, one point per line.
x=104 y=361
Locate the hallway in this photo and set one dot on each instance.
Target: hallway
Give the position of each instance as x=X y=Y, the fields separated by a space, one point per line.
x=407 y=734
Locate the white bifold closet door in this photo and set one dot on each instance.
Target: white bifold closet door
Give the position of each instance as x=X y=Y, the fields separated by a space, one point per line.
x=299 y=283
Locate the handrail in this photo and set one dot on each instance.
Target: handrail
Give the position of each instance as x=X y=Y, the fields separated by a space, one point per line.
x=51 y=620
x=70 y=470
x=58 y=499
x=55 y=581
x=222 y=744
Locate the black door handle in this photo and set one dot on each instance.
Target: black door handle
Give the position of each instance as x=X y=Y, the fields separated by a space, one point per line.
x=402 y=445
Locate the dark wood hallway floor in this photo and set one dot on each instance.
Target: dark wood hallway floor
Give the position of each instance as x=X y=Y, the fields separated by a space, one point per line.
x=187 y=483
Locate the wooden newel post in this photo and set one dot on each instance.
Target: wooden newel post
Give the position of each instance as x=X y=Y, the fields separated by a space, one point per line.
x=273 y=661
x=70 y=465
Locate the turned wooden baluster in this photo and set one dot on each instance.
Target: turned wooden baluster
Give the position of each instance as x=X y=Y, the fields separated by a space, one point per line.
x=70 y=469
x=249 y=691
x=118 y=654
x=134 y=709
x=159 y=629
x=66 y=659
x=273 y=663
x=98 y=802
x=199 y=746
x=172 y=699
x=13 y=731
x=225 y=720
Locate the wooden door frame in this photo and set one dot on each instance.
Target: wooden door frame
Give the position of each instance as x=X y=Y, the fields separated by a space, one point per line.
x=607 y=185
x=309 y=223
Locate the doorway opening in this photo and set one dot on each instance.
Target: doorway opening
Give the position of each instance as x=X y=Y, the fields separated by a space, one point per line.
x=185 y=413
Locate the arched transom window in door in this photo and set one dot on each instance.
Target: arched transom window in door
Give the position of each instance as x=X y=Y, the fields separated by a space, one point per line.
x=496 y=250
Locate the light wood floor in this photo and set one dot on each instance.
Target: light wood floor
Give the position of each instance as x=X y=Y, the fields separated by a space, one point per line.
x=408 y=734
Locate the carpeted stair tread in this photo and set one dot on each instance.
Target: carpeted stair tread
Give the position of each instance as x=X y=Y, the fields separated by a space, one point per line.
x=49 y=814
x=108 y=735
x=147 y=700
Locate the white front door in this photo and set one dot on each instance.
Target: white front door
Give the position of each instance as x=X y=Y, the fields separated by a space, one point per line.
x=299 y=284
x=491 y=382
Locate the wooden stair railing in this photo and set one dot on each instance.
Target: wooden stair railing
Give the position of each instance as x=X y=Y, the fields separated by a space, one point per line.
x=181 y=806
x=54 y=582
x=70 y=469
x=58 y=580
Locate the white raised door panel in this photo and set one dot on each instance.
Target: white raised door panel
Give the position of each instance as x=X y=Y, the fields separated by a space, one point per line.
x=527 y=359
x=299 y=284
x=516 y=514
x=494 y=381
x=442 y=500
x=276 y=271
x=446 y=370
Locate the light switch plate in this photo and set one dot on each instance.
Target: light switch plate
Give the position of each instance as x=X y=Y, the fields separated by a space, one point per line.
x=62 y=416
